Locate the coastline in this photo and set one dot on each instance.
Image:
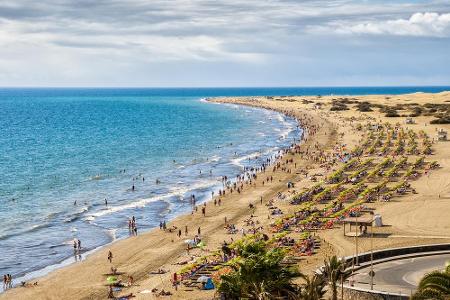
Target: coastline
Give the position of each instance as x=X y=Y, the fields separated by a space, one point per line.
x=40 y=274
x=84 y=280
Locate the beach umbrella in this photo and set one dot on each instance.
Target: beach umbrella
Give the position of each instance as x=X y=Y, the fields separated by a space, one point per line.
x=111 y=279
x=203 y=279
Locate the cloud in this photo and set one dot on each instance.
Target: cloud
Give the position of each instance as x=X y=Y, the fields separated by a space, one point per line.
x=74 y=42
x=427 y=24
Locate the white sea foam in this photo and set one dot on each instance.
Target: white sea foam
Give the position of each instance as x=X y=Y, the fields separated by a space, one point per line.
x=173 y=192
x=238 y=160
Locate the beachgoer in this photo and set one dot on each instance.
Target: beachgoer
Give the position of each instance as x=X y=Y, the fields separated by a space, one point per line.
x=185 y=230
x=110 y=293
x=110 y=256
x=199 y=231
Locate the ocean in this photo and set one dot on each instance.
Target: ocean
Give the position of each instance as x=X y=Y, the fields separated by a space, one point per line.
x=63 y=151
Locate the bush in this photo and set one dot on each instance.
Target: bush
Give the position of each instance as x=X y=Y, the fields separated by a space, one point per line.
x=364 y=106
x=417 y=111
x=339 y=107
x=392 y=113
x=442 y=120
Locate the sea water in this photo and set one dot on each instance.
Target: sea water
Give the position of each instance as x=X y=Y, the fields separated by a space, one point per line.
x=64 y=151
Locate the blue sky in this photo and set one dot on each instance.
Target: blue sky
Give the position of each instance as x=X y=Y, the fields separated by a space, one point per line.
x=224 y=43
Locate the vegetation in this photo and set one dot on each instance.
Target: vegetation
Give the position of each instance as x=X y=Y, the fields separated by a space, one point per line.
x=338 y=106
x=364 y=106
x=334 y=271
x=441 y=120
x=258 y=274
x=391 y=113
x=434 y=285
x=313 y=288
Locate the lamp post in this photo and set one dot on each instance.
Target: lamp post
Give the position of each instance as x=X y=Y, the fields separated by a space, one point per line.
x=371 y=253
x=356 y=241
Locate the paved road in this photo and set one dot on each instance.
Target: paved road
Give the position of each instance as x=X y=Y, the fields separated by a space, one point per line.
x=400 y=276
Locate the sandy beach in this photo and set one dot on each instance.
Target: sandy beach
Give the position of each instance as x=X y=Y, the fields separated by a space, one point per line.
x=410 y=219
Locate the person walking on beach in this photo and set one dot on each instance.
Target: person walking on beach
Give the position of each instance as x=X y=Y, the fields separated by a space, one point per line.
x=199 y=231
x=79 y=245
x=110 y=256
x=204 y=211
x=185 y=230
x=5 y=282
x=110 y=293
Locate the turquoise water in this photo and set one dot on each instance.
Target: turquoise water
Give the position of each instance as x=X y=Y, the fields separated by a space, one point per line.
x=65 y=146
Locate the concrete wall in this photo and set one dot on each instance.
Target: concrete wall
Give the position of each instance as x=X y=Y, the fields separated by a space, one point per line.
x=353 y=294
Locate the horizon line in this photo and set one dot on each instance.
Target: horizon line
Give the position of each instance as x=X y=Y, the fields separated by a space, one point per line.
x=224 y=87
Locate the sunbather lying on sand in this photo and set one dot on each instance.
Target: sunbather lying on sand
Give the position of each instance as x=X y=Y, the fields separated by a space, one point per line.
x=27 y=284
x=159 y=271
x=161 y=293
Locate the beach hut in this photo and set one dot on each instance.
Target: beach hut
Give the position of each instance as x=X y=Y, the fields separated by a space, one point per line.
x=442 y=135
x=410 y=121
x=375 y=127
x=356 y=223
x=378 y=221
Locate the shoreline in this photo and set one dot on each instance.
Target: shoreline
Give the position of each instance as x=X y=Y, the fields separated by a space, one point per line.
x=157 y=249
x=35 y=275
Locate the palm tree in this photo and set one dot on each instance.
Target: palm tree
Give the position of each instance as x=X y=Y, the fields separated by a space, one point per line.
x=258 y=274
x=434 y=285
x=313 y=288
x=333 y=271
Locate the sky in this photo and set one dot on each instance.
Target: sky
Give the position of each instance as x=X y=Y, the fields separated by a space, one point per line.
x=216 y=43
